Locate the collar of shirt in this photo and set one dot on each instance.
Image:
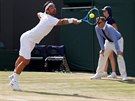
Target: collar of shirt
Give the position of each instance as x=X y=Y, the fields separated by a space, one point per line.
x=104 y=26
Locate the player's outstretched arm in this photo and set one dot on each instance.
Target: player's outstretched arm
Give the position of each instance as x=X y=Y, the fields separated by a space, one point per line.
x=66 y=21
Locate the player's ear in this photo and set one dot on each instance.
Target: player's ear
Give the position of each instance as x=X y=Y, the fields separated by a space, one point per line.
x=47 y=11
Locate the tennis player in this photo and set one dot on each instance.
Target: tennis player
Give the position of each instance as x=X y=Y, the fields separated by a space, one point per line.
x=28 y=39
x=114 y=42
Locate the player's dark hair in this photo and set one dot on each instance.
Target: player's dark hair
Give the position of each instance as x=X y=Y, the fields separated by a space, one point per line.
x=47 y=4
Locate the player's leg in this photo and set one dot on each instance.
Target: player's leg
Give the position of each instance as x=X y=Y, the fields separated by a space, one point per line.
x=22 y=65
x=25 y=54
x=18 y=61
x=14 y=82
x=121 y=61
x=113 y=66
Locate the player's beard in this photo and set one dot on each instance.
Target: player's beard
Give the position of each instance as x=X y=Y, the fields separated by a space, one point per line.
x=54 y=13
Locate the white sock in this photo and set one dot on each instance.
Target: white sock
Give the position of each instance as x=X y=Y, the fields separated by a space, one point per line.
x=16 y=76
x=14 y=71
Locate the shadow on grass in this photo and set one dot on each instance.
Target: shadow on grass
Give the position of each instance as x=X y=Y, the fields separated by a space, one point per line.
x=130 y=81
x=67 y=95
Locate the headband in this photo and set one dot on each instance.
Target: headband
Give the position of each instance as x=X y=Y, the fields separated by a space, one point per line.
x=48 y=6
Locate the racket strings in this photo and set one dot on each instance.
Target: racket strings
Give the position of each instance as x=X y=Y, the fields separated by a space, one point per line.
x=94 y=19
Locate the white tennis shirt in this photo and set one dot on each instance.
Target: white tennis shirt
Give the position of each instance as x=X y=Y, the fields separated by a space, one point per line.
x=45 y=25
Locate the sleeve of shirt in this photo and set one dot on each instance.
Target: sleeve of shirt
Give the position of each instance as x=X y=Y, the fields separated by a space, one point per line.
x=54 y=21
x=100 y=38
x=112 y=31
x=111 y=21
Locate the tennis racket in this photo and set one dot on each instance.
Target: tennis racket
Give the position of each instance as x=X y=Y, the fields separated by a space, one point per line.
x=91 y=20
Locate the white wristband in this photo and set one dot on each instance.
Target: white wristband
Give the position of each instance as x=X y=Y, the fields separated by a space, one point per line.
x=70 y=20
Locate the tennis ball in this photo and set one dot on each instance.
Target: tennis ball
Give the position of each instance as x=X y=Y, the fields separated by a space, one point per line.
x=91 y=15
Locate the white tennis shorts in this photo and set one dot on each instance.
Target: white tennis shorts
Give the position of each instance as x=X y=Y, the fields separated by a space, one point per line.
x=26 y=46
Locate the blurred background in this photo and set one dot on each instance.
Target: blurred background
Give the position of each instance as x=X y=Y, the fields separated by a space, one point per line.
x=81 y=44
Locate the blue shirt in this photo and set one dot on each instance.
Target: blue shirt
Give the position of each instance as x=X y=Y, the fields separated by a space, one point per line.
x=111 y=33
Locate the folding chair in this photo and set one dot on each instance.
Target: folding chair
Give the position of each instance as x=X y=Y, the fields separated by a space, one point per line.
x=55 y=58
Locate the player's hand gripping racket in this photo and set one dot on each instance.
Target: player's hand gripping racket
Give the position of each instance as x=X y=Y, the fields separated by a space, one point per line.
x=91 y=16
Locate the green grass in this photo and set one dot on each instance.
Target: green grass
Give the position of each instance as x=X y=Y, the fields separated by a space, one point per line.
x=42 y=86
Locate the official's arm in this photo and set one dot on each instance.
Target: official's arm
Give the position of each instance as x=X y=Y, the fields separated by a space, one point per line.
x=100 y=38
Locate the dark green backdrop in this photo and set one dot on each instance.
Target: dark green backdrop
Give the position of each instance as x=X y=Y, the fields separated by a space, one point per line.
x=78 y=40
